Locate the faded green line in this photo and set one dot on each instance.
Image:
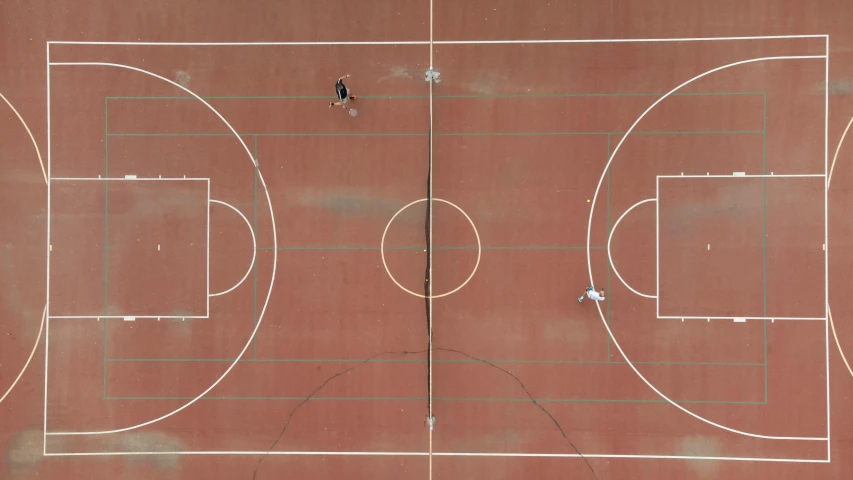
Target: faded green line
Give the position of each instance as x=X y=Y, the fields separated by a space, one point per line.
x=417 y=134
x=255 y=265
x=334 y=360
x=104 y=388
x=106 y=197
x=608 y=260
x=443 y=399
x=438 y=97
x=485 y=247
x=106 y=236
x=764 y=249
x=335 y=134
x=700 y=132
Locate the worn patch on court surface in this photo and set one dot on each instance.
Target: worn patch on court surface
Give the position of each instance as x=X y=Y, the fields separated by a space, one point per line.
x=26 y=448
x=183 y=78
x=147 y=442
x=702 y=446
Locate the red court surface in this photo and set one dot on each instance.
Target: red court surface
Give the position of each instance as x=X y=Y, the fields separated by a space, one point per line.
x=220 y=277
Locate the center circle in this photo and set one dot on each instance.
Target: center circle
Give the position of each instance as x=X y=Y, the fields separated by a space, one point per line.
x=476 y=234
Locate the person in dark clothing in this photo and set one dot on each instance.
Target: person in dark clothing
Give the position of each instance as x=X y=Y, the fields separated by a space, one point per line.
x=343 y=93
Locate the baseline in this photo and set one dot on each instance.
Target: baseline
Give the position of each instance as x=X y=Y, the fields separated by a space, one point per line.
x=449 y=454
x=442 y=42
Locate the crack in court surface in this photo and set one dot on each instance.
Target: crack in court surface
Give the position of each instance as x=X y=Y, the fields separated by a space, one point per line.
x=420 y=352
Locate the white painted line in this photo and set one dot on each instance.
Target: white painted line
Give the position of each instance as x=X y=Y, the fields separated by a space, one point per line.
x=99 y=317
x=129 y=319
x=589 y=238
x=824 y=246
x=706 y=317
x=158 y=247
x=242 y=44
x=739 y=174
x=476 y=235
x=128 y=177
x=709 y=246
x=254 y=250
x=274 y=250
x=804 y=175
x=610 y=239
x=47 y=279
x=208 y=248
x=449 y=454
x=444 y=42
x=30 y=358
x=29 y=133
x=739 y=320
x=657 y=240
x=826 y=237
x=50 y=248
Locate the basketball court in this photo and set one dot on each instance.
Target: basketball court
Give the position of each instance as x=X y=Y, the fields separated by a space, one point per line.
x=241 y=281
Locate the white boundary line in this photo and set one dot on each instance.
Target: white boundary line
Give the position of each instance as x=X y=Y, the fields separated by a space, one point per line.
x=207 y=299
x=589 y=256
x=120 y=317
x=47 y=252
x=125 y=179
x=275 y=257
x=254 y=249
x=610 y=237
x=453 y=454
x=804 y=175
x=442 y=42
x=826 y=242
x=275 y=249
x=747 y=317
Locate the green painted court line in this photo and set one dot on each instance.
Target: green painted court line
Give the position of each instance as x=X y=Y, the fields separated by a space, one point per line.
x=418 y=134
x=441 y=399
x=106 y=235
x=392 y=360
x=104 y=388
x=106 y=196
x=764 y=182
x=500 y=134
x=504 y=95
x=255 y=265
x=485 y=247
x=608 y=261
x=336 y=134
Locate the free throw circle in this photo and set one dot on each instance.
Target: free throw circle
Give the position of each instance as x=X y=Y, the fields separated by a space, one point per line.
x=476 y=234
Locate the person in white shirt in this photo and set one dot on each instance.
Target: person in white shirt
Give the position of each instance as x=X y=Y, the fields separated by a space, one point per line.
x=591 y=293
